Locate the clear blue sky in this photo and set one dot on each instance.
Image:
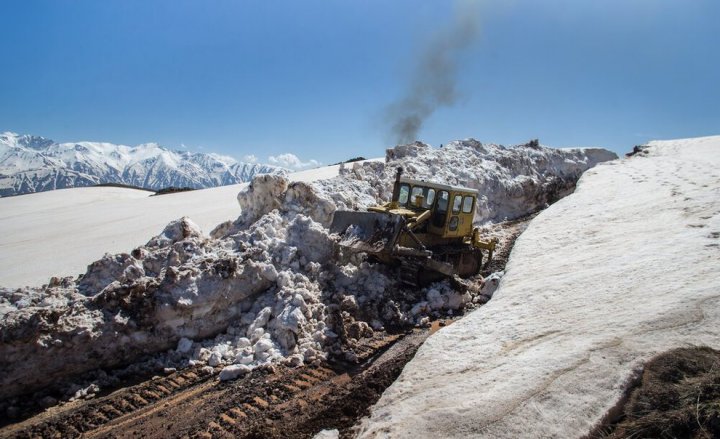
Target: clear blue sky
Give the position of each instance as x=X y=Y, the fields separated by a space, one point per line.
x=315 y=77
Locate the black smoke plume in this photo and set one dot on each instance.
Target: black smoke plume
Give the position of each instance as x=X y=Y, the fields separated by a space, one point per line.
x=433 y=84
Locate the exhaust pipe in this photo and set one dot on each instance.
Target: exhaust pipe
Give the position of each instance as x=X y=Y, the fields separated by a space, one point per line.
x=396 y=187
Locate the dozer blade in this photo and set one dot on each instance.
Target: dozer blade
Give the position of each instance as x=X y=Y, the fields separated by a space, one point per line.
x=370 y=232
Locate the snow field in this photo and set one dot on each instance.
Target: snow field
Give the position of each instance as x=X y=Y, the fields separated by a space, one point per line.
x=623 y=269
x=270 y=286
x=59 y=233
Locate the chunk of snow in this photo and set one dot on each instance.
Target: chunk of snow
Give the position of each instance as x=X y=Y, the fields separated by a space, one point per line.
x=184 y=345
x=491 y=284
x=233 y=372
x=176 y=231
x=242 y=342
x=262 y=345
x=215 y=359
x=327 y=434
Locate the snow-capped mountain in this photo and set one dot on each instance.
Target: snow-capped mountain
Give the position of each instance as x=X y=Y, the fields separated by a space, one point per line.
x=35 y=164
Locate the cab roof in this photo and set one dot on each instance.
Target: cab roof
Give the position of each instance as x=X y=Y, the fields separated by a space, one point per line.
x=438 y=186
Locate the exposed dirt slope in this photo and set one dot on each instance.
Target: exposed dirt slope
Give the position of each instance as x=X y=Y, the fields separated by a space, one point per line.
x=679 y=396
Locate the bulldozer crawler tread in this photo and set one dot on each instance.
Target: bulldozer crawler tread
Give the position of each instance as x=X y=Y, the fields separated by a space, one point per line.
x=302 y=384
x=320 y=374
x=254 y=402
x=102 y=416
x=127 y=406
x=261 y=402
x=139 y=401
x=218 y=430
x=310 y=378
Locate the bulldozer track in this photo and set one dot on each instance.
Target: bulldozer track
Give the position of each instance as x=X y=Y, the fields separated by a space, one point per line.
x=83 y=417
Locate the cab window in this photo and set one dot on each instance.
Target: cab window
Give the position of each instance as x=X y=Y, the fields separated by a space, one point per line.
x=428 y=195
x=467 y=204
x=453 y=224
x=404 y=193
x=416 y=190
x=429 y=198
x=443 y=201
x=457 y=201
x=438 y=219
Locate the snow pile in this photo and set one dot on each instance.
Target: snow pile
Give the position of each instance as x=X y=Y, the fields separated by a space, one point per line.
x=625 y=268
x=269 y=192
x=267 y=287
x=260 y=287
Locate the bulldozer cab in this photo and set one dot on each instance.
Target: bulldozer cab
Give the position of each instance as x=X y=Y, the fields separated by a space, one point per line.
x=451 y=208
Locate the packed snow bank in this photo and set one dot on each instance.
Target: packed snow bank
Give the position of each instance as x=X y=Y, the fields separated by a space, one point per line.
x=625 y=268
x=267 y=287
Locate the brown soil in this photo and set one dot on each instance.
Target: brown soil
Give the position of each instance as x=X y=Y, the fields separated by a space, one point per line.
x=274 y=402
x=278 y=402
x=679 y=397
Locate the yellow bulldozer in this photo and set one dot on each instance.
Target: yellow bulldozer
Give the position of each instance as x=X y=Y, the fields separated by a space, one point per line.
x=426 y=229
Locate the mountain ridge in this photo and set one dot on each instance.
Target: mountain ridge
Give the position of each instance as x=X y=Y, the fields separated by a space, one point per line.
x=31 y=163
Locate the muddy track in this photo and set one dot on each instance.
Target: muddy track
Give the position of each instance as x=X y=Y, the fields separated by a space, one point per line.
x=273 y=402
x=279 y=402
x=506 y=233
